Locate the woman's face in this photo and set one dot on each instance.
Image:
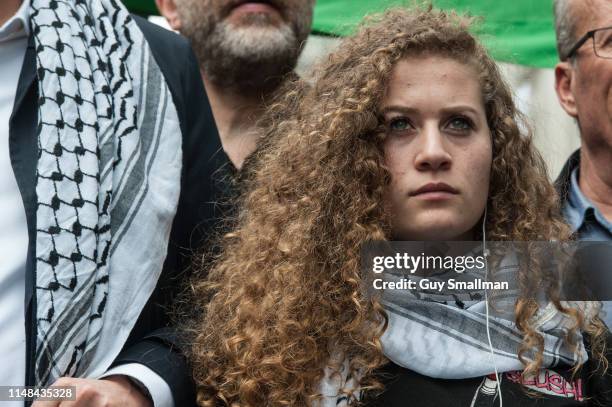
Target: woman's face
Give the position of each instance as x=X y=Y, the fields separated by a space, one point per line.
x=438 y=149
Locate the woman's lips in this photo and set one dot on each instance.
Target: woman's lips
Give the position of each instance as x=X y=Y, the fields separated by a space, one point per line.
x=435 y=196
x=435 y=191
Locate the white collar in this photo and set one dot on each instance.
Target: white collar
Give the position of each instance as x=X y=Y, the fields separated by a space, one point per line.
x=17 y=26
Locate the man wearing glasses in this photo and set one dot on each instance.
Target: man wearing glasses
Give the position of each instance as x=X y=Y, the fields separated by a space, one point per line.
x=583 y=81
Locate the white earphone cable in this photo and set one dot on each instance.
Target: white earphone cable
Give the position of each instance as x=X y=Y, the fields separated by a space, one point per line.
x=486 y=263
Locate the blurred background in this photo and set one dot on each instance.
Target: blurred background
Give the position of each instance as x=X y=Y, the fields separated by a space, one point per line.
x=519 y=34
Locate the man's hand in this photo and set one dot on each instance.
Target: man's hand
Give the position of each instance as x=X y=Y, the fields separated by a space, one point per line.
x=112 y=391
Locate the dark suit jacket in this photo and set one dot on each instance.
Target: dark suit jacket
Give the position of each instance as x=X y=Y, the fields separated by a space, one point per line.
x=148 y=343
x=563 y=181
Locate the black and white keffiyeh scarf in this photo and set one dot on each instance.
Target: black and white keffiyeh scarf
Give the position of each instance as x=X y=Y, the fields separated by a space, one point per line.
x=108 y=180
x=448 y=339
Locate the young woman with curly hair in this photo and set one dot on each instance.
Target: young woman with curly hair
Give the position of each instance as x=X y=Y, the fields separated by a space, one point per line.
x=407 y=133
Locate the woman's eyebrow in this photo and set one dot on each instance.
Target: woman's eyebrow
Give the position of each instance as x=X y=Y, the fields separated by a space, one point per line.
x=460 y=109
x=444 y=110
x=397 y=109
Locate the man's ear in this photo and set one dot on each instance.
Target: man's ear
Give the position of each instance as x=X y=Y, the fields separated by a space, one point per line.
x=564 y=75
x=167 y=8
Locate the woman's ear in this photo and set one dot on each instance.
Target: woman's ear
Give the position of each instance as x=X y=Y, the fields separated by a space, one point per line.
x=564 y=74
x=167 y=8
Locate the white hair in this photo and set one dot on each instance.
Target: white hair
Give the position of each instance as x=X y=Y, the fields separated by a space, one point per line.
x=565 y=27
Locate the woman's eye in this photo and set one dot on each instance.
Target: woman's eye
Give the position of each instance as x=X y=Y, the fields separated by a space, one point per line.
x=399 y=124
x=460 y=123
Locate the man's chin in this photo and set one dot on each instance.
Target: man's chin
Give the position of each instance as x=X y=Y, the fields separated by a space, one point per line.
x=251 y=59
x=246 y=30
x=257 y=43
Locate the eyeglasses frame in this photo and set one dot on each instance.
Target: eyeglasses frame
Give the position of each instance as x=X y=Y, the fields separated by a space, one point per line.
x=585 y=38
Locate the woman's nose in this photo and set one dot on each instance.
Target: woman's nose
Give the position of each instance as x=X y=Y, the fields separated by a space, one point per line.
x=432 y=155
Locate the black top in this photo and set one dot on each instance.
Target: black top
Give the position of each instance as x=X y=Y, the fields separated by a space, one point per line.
x=554 y=387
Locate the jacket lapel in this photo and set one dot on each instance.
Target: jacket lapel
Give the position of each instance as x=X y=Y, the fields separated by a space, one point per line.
x=23 y=148
x=27 y=77
x=563 y=181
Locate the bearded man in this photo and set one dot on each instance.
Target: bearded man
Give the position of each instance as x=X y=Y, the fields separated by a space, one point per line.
x=245 y=49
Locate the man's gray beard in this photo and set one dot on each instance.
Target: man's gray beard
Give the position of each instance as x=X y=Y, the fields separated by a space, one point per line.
x=252 y=59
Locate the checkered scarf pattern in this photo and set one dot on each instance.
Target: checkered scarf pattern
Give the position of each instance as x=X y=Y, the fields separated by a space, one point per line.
x=445 y=335
x=109 y=162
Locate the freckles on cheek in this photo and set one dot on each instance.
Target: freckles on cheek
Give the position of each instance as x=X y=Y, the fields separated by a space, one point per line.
x=481 y=176
x=398 y=173
x=396 y=184
x=479 y=168
x=395 y=162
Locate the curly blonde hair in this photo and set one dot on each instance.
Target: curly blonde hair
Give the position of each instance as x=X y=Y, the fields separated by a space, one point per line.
x=286 y=292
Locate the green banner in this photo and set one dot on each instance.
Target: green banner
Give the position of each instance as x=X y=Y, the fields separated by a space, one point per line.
x=519 y=32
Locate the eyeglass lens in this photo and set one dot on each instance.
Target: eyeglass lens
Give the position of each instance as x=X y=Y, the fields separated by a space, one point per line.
x=602 y=40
